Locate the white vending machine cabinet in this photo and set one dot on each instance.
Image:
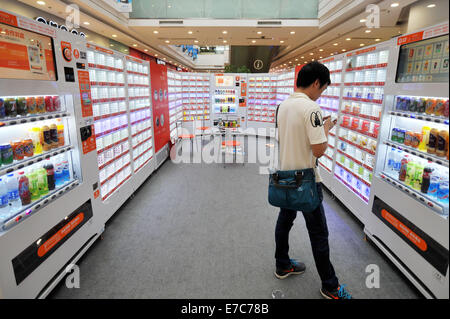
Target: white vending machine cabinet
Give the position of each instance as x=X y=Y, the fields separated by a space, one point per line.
x=48 y=172
x=408 y=218
x=123 y=121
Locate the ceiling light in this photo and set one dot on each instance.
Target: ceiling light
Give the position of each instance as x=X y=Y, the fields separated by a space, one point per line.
x=111 y=45
x=190 y=32
x=259 y=32
x=362 y=20
x=281 y=41
x=224 y=32
x=311 y=53
x=292 y=32
x=155 y=32
x=368 y=31
x=321 y=50
x=431 y=5
x=253 y=41
x=156 y=55
x=167 y=41
x=320 y=57
x=42 y=3
x=196 y=41
x=343 y=50
x=335 y=44
x=395 y=4
x=86 y=23
x=296 y=59
x=135 y=45
x=361 y=45
x=302 y=57
x=305 y=62
x=146 y=50
x=114 y=36
x=376 y=40
x=331 y=54
x=348 y=39
x=224 y=41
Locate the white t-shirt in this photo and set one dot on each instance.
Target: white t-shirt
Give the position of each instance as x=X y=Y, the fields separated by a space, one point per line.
x=300 y=124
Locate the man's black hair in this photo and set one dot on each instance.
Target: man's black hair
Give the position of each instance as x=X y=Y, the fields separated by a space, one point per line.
x=311 y=72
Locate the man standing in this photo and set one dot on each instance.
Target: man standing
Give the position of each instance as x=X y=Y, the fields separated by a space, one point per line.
x=303 y=137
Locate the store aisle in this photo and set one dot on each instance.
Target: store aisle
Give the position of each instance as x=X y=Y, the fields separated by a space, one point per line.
x=205 y=231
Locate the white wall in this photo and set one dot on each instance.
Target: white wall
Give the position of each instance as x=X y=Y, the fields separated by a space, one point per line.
x=420 y=16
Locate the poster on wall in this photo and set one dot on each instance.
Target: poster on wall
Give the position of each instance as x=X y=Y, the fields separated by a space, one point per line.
x=25 y=55
x=160 y=102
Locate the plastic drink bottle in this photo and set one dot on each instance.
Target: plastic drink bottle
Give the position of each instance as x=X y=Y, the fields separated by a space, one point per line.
x=425 y=136
x=13 y=193
x=42 y=181
x=434 y=183
x=35 y=135
x=66 y=172
x=60 y=128
x=54 y=135
x=46 y=139
x=59 y=178
x=50 y=174
x=21 y=104
x=403 y=167
x=24 y=189
x=432 y=141
x=442 y=143
x=418 y=175
x=426 y=176
x=442 y=193
x=410 y=169
x=4 y=200
x=33 y=185
x=391 y=160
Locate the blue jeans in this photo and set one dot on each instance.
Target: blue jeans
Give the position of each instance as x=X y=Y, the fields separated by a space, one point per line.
x=318 y=235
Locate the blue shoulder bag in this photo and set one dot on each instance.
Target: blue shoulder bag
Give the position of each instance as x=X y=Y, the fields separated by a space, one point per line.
x=293 y=189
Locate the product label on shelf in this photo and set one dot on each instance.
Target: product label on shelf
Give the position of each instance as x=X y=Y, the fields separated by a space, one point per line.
x=85 y=93
x=422 y=243
x=44 y=246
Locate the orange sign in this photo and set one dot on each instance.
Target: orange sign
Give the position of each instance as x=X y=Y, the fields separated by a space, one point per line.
x=96 y=194
x=8 y=18
x=244 y=89
x=56 y=238
x=362 y=51
x=76 y=54
x=410 y=38
x=408 y=233
x=85 y=93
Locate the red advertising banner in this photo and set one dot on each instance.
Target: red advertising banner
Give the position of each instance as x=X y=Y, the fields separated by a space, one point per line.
x=85 y=93
x=297 y=70
x=160 y=103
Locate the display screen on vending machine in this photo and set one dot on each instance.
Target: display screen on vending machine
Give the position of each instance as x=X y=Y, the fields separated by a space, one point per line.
x=424 y=61
x=26 y=55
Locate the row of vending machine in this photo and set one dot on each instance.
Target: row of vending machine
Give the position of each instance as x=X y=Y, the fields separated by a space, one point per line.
x=82 y=127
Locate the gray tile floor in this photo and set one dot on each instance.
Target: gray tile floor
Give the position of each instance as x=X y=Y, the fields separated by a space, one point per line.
x=207 y=231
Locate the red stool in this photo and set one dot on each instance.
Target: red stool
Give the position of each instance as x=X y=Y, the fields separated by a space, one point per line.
x=188 y=136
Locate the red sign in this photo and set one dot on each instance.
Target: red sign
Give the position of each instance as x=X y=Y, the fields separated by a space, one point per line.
x=160 y=102
x=85 y=93
x=410 y=38
x=8 y=18
x=362 y=51
x=76 y=54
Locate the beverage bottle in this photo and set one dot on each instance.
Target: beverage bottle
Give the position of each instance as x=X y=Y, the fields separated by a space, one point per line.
x=21 y=104
x=403 y=167
x=418 y=176
x=442 y=143
x=13 y=193
x=49 y=104
x=40 y=104
x=426 y=178
x=42 y=181
x=46 y=138
x=50 y=174
x=434 y=183
x=410 y=170
x=4 y=200
x=425 y=136
x=422 y=106
x=33 y=184
x=430 y=106
x=56 y=103
x=35 y=135
x=442 y=193
x=24 y=189
x=54 y=135
x=59 y=178
x=439 y=108
x=432 y=141
x=31 y=105
x=61 y=141
x=391 y=160
x=2 y=108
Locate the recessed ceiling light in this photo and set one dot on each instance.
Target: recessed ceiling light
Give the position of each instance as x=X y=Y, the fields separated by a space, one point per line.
x=224 y=41
x=146 y=50
x=321 y=50
x=167 y=41
x=292 y=32
x=377 y=40
x=348 y=39
x=114 y=36
x=259 y=32
x=343 y=50
x=361 y=45
x=296 y=59
x=335 y=44
x=156 y=55
x=86 y=23
x=431 y=5
x=311 y=53
x=331 y=53
x=305 y=62
x=395 y=4
x=111 y=45
x=281 y=41
x=156 y=32
x=196 y=41
x=224 y=32
x=190 y=32
x=42 y=3
x=253 y=41
x=320 y=57
x=302 y=57
x=135 y=45
x=362 y=20
x=368 y=31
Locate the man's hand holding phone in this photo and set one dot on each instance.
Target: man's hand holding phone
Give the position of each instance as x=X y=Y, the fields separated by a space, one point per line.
x=329 y=122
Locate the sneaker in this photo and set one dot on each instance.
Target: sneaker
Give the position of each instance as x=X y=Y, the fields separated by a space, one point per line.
x=297 y=268
x=339 y=293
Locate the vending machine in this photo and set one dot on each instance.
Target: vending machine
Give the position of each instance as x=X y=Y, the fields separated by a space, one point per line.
x=48 y=171
x=409 y=206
